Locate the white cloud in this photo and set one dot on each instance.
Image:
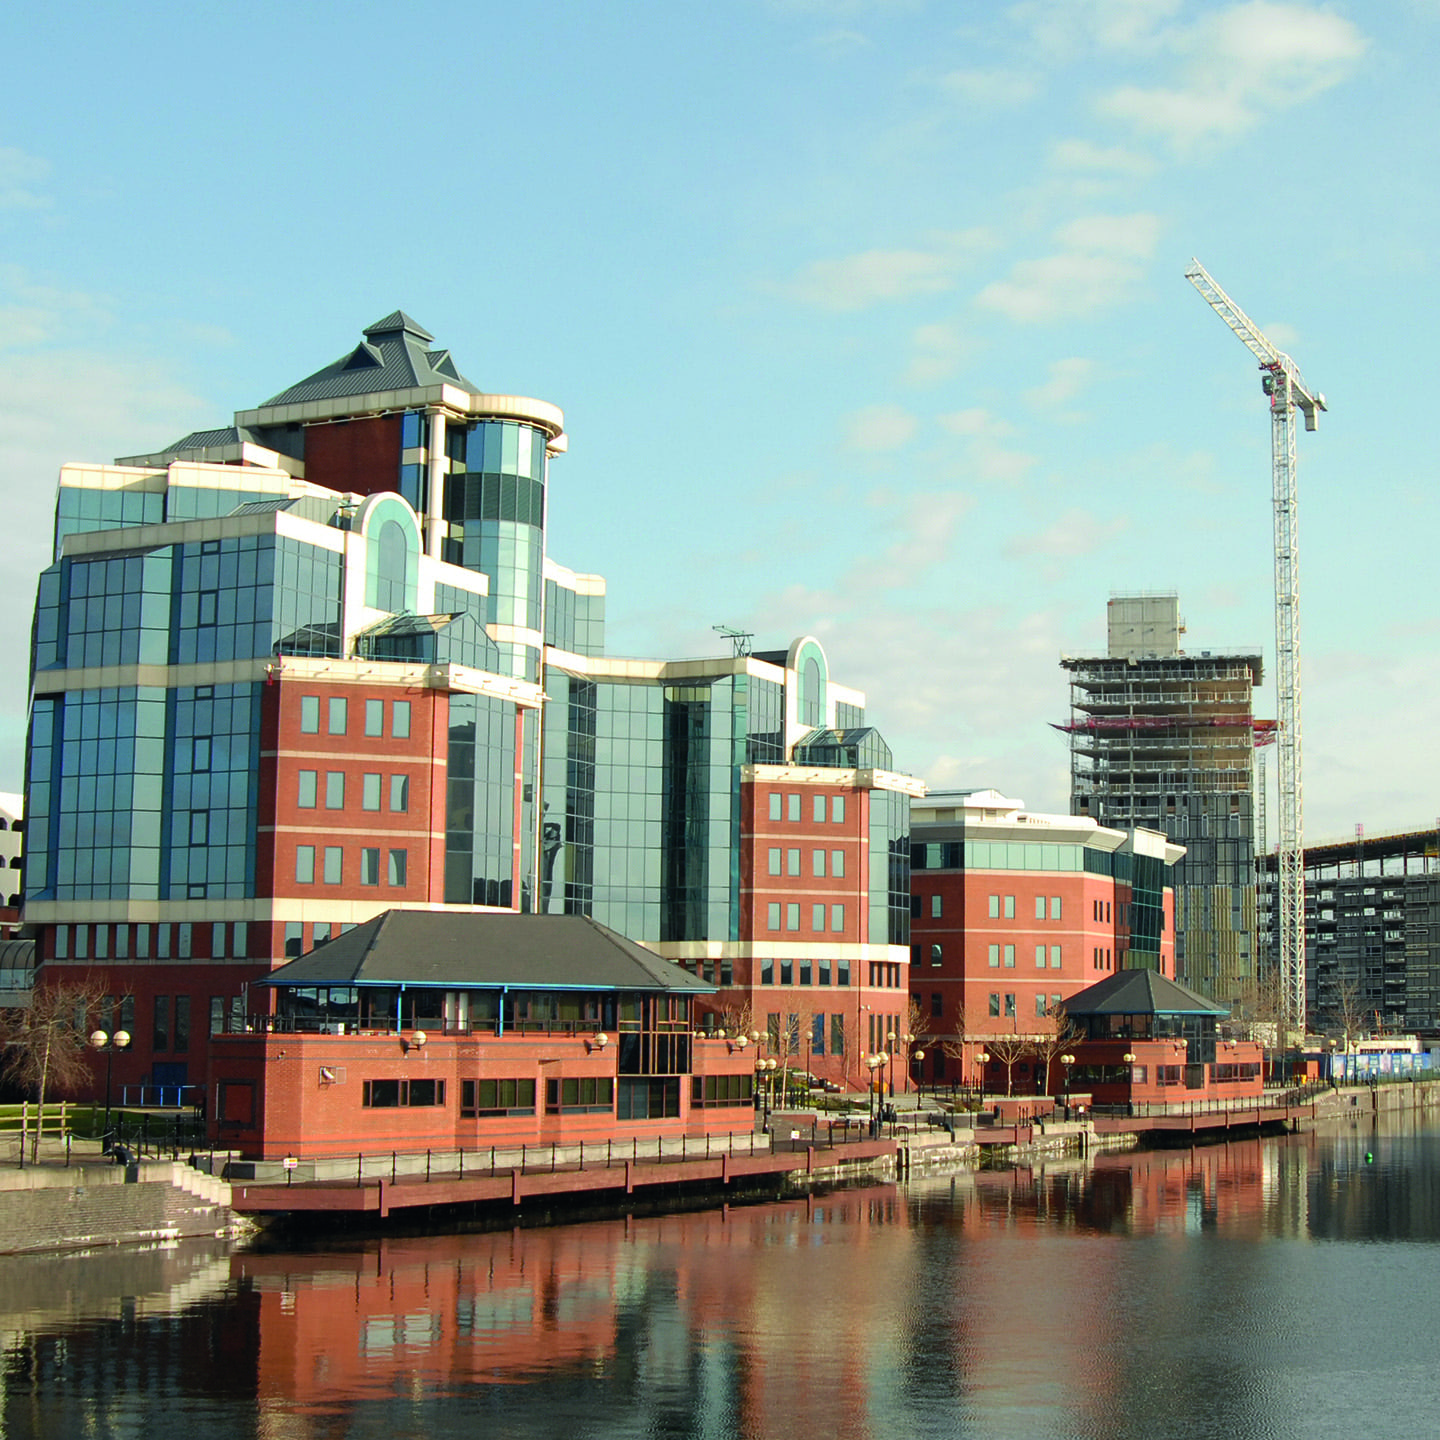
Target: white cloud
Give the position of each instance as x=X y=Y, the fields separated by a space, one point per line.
x=1239 y=65
x=1067 y=379
x=853 y=282
x=990 y=89
x=1076 y=535
x=1069 y=30
x=1097 y=268
x=880 y=427
x=1085 y=157
x=19 y=173
x=938 y=351
x=976 y=422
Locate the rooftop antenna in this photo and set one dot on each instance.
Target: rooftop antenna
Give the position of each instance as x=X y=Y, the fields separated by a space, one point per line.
x=740 y=639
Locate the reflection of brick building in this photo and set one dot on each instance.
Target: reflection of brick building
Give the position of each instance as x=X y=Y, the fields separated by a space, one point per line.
x=1014 y=912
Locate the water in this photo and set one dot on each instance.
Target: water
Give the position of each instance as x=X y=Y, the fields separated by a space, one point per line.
x=1260 y=1289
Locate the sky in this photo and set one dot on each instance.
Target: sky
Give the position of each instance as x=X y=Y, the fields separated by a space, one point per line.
x=868 y=317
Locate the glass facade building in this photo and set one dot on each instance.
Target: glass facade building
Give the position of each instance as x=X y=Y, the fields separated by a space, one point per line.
x=319 y=664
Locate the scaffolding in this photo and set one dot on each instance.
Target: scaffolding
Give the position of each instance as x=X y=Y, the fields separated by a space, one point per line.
x=1167 y=741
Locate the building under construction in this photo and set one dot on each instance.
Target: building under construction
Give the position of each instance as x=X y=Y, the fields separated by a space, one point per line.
x=1372 y=932
x=1164 y=738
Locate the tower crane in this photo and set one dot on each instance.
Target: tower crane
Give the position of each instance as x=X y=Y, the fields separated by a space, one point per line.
x=1281 y=381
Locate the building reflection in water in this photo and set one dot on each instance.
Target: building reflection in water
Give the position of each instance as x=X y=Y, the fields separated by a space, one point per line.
x=1089 y=1298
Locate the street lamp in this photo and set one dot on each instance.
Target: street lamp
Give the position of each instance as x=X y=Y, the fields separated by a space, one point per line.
x=1066 y=1061
x=99 y=1040
x=917 y=1057
x=890 y=1038
x=983 y=1059
x=875 y=1062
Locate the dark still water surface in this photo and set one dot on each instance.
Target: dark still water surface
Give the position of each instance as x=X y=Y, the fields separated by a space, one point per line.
x=1281 y=1288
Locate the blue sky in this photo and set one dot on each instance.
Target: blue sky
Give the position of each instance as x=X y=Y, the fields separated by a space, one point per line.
x=868 y=317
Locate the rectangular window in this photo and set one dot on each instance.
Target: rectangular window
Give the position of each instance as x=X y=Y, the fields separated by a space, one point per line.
x=399 y=867
x=775 y=806
x=1009 y=957
x=1009 y=907
x=935 y=907
x=583 y=1095
x=994 y=1004
x=369 y=866
x=199 y=827
x=399 y=794
x=994 y=957
x=817 y=919
x=1054 y=957
x=1010 y=1005
x=370 y=792
x=304 y=866
x=217 y=1014
x=837 y=1034
x=837 y=864
x=1039 y=957
x=389 y=1094
x=200 y=754
x=332 y=864
x=307 y=789
x=338 y=710
x=792 y=862
x=374 y=717
x=767 y=970
x=334 y=789
x=496 y=1097
x=1054 y=907
x=937 y=1005
x=773 y=916
x=400 y=719
x=823 y=967
x=1039 y=1006
x=1039 y=907
x=837 y=918
x=787 y=972
x=160 y=1039
x=842 y=972
x=309 y=714
x=792 y=808
x=994 y=907
x=817 y=864
x=817 y=1034
x=792 y=917
x=774 y=859
x=182 y=1024
x=820 y=809
x=937 y=956
x=837 y=815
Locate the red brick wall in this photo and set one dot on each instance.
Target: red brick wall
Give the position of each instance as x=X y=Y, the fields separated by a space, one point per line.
x=362 y=456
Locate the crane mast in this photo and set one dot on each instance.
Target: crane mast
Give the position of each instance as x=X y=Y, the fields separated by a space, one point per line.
x=1281 y=381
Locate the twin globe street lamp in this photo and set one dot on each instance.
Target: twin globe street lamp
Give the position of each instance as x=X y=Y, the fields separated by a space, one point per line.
x=109 y=1044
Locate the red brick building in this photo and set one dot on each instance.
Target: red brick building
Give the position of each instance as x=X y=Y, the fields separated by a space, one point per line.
x=436 y=1030
x=1013 y=913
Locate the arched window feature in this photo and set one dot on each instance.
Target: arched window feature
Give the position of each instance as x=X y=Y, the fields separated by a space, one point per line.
x=392 y=569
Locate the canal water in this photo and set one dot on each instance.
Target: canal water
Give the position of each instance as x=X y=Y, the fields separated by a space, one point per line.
x=1257 y=1289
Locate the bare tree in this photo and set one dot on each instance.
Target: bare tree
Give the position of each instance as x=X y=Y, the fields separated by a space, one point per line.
x=1008 y=1049
x=44 y=1045
x=1349 y=1010
x=1058 y=1034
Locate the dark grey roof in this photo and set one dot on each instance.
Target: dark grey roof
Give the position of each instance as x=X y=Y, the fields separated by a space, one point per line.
x=206 y=439
x=394 y=355
x=1140 y=992
x=480 y=951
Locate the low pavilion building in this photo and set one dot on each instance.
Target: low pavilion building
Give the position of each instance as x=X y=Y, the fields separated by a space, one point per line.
x=437 y=1030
